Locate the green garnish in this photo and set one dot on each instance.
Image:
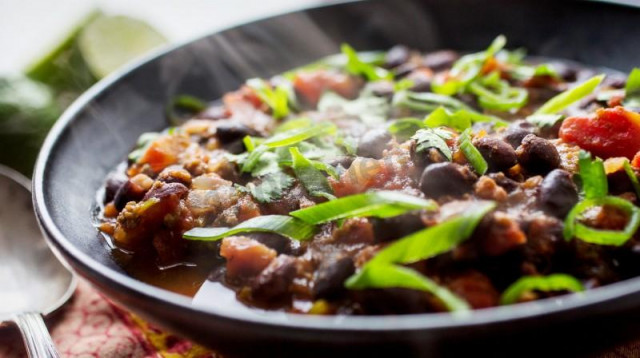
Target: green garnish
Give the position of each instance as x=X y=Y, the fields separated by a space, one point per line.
x=568 y=97
x=311 y=177
x=472 y=154
x=386 y=276
x=593 y=176
x=356 y=66
x=271 y=187
x=143 y=143
x=277 y=224
x=427 y=102
x=382 y=272
x=496 y=94
x=632 y=89
x=551 y=283
x=380 y=204
x=287 y=138
x=276 y=98
x=573 y=228
x=183 y=105
x=404 y=128
x=632 y=177
x=403 y=84
x=467 y=69
x=545 y=120
x=433 y=138
x=370 y=109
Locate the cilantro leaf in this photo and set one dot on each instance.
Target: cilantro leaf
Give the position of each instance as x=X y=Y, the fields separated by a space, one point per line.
x=271 y=187
x=433 y=138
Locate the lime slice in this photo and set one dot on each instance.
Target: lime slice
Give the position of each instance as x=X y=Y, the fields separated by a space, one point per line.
x=63 y=67
x=109 y=42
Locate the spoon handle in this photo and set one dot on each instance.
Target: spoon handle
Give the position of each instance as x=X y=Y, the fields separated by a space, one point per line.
x=35 y=335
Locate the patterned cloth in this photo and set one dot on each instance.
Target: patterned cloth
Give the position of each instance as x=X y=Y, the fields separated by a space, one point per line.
x=90 y=326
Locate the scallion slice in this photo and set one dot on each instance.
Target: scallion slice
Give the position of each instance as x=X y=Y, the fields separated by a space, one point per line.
x=568 y=97
x=554 y=282
x=278 y=224
x=472 y=154
x=573 y=228
x=496 y=94
x=357 y=66
x=381 y=204
x=276 y=98
x=632 y=177
x=427 y=102
x=387 y=276
x=632 y=89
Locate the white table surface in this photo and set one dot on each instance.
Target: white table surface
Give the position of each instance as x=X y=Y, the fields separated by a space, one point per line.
x=29 y=28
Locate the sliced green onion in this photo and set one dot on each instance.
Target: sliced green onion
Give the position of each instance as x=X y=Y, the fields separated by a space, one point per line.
x=285 y=139
x=496 y=94
x=295 y=123
x=277 y=99
x=545 y=120
x=311 y=178
x=472 y=154
x=460 y=119
x=632 y=177
x=632 y=89
x=357 y=66
x=593 y=176
x=403 y=84
x=435 y=240
x=277 y=224
x=433 y=138
x=381 y=204
x=573 y=228
x=369 y=108
x=393 y=276
x=551 y=283
x=568 y=97
x=427 y=102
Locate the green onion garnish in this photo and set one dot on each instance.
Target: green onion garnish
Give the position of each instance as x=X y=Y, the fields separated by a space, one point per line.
x=404 y=128
x=381 y=271
x=427 y=102
x=472 y=154
x=312 y=178
x=568 y=97
x=593 y=176
x=355 y=65
x=277 y=224
x=287 y=138
x=551 y=283
x=183 y=104
x=632 y=89
x=573 y=228
x=496 y=94
x=632 y=177
x=545 y=120
x=277 y=99
x=386 y=276
x=461 y=119
x=381 y=204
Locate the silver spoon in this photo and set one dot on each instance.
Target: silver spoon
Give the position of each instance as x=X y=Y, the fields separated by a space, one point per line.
x=32 y=281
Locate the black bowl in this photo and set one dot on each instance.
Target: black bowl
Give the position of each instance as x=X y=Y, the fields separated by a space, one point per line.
x=98 y=130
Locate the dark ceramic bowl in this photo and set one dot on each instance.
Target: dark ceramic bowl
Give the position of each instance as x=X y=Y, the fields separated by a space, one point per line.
x=99 y=129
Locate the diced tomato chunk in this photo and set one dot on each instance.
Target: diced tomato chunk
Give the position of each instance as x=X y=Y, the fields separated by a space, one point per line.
x=610 y=132
x=311 y=85
x=636 y=161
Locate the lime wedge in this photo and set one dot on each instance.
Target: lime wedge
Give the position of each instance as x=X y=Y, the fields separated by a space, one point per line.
x=109 y=42
x=63 y=67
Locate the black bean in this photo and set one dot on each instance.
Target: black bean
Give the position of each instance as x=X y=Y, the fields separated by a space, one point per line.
x=396 y=56
x=405 y=69
x=506 y=183
x=344 y=161
x=381 y=88
x=126 y=193
x=373 y=143
x=274 y=241
x=427 y=157
x=421 y=80
x=396 y=227
x=499 y=154
x=538 y=155
x=440 y=60
x=443 y=179
x=273 y=282
x=515 y=133
x=558 y=193
x=330 y=276
x=165 y=190
x=114 y=181
x=230 y=135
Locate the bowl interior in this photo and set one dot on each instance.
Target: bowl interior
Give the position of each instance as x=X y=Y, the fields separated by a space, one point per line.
x=99 y=130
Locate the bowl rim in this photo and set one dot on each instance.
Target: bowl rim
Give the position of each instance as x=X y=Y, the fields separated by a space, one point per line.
x=409 y=322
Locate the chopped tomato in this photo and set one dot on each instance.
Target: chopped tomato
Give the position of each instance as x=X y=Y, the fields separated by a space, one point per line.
x=610 y=132
x=635 y=162
x=311 y=85
x=164 y=152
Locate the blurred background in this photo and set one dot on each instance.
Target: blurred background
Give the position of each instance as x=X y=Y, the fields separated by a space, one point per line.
x=55 y=50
